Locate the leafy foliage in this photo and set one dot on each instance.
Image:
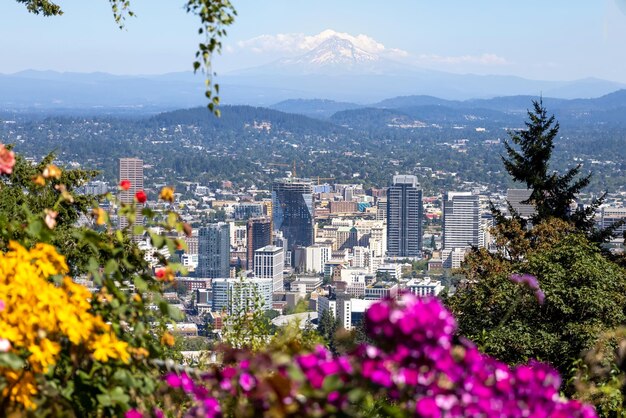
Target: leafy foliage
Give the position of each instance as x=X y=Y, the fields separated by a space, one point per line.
x=585 y=294
x=39 y=208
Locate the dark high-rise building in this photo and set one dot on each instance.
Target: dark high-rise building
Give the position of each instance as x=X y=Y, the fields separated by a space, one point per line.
x=214 y=251
x=404 y=217
x=259 y=235
x=515 y=197
x=292 y=211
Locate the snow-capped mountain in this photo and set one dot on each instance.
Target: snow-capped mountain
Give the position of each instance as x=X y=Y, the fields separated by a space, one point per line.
x=336 y=55
x=334 y=51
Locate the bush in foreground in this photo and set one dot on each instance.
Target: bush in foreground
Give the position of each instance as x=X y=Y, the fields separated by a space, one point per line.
x=415 y=367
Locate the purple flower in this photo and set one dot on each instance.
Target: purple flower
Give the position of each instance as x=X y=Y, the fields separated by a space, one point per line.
x=378 y=312
x=246 y=381
x=186 y=382
x=133 y=413
x=173 y=380
x=427 y=408
x=540 y=296
x=212 y=408
x=531 y=282
x=333 y=397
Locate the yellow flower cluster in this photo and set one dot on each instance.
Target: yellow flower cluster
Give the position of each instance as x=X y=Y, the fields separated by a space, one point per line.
x=38 y=316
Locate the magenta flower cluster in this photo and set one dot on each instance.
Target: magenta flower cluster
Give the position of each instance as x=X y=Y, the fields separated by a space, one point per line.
x=531 y=282
x=415 y=362
x=418 y=364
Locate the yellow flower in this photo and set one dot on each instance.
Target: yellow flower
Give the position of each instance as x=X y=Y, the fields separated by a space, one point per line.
x=167 y=194
x=39 y=180
x=100 y=215
x=167 y=339
x=38 y=314
x=52 y=171
x=139 y=352
x=107 y=346
x=20 y=387
x=43 y=355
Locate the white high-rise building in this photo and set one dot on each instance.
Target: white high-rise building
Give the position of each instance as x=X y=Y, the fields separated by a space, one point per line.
x=461 y=220
x=269 y=263
x=131 y=169
x=316 y=256
x=424 y=287
x=234 y=294
x=610 y=215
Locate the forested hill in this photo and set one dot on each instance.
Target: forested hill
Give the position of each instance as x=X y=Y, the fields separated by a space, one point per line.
x=242 y=118
x=446 y=148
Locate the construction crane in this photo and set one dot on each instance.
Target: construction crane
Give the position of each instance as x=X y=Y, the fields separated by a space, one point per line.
x=293 y=170
x=324 y=178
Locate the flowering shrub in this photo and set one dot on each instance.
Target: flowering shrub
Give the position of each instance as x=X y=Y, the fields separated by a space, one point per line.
x=65 y=351
x=416 y=365
x=39 y=320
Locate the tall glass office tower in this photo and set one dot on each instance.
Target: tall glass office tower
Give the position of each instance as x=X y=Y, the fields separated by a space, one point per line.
x=292 y=211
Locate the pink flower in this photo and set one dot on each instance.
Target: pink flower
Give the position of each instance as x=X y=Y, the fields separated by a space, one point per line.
x=212 y=408
x=427 y=407
x=541 y=297
x=133 y=413
x=173 y=380
x=2 y=305
x=7 y=160
x=246 y=381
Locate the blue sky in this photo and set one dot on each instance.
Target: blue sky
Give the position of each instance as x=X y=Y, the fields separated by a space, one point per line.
x=554 y=39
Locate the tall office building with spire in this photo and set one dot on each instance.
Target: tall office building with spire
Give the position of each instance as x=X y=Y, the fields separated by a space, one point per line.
x=404 y=217
x=131 y=169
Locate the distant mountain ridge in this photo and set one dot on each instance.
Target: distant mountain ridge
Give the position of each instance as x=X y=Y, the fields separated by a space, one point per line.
x=343 y=74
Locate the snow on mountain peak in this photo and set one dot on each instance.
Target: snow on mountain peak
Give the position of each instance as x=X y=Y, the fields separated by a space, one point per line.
x=334 y=51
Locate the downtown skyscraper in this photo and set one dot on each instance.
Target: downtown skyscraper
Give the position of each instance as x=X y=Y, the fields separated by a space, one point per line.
x=258 y=235
x=214 y=251
x=131 y=169
x=292 y=211
x=404 y=217
x=461 y=220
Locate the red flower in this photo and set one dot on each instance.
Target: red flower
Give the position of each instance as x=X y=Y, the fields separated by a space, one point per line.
x=125 y=184
x=141 y=197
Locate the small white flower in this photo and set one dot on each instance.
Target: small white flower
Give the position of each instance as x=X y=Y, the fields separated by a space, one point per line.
x=5 y=345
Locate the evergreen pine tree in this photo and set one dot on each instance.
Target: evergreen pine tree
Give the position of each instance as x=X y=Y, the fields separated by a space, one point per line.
x=527 y=161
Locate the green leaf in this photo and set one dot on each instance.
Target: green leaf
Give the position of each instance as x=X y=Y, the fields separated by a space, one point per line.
x=110 y=267
x=11 y=361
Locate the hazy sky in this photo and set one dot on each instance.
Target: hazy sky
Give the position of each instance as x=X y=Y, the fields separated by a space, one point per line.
x=541 y=39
